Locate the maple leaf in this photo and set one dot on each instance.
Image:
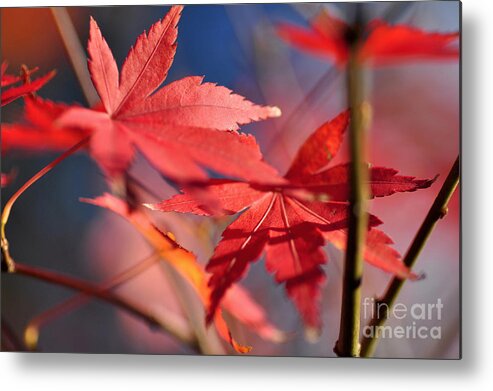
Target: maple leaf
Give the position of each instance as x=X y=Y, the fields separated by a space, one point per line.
x=238 y=302
x=384 y=44
x=290 y=226
x=180 y=128
x=27 y=86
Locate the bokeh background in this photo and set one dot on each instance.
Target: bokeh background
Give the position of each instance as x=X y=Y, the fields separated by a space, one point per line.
x=415 y=129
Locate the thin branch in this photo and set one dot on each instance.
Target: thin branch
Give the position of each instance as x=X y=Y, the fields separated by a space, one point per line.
x=437 y=211
x=75 y=53
x=35 y=324
x=10 y=203
x=207 y=342
x=348 y=343
x=169 y=324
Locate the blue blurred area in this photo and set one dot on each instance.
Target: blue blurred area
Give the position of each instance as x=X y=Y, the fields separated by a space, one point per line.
x=207 y=44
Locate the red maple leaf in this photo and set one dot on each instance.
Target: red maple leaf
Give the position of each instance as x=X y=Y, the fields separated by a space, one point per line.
x=25 y=87
x=291 y=227
x=384 y=44
x=180 y=128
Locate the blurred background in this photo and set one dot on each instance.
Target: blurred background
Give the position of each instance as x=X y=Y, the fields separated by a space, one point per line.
x=415 y=129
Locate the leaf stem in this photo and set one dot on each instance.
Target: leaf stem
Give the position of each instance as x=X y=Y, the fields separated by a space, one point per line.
x=437 y=211
x=75 y=52
x=207 y=340
x=169 y=325
x=348 y=342
x=10 y=203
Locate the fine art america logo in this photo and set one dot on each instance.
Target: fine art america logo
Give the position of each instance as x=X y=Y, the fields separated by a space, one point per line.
x=415 y=320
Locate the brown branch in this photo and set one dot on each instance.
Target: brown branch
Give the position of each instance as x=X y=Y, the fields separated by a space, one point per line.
x=169 y=324
x=35 y=324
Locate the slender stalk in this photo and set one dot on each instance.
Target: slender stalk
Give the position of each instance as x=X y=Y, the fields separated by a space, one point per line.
x=207 y=341
x=437 y=211
x=170 y=325
x=36 y=323
x=348 y=342
x=75 y=52
x=10 y=203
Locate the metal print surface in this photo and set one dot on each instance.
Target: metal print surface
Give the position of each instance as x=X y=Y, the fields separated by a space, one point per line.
x=263 y=179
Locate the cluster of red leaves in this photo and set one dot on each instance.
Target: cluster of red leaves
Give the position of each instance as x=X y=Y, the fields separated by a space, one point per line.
x=187 y=126
x=384 y=44
x=288 y=222
x=19 y=86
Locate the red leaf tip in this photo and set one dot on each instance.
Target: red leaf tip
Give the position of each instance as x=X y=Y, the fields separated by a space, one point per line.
x=92 y=25
x=178 y=8
x=429 y=182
